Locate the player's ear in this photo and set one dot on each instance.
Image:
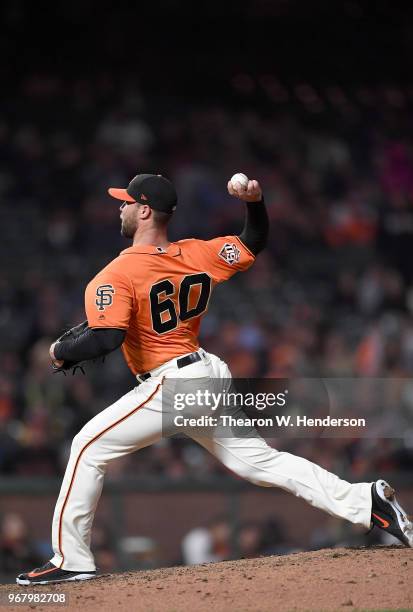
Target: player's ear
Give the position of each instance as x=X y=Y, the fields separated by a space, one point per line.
x=144 y=211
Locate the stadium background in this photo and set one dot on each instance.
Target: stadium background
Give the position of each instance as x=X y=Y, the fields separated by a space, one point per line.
x=315 y=100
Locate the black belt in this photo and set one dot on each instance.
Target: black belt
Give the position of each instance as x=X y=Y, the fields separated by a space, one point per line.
x=181 y=363
x=184 y=361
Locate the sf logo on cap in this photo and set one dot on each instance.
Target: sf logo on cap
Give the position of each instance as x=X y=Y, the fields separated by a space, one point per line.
x=104 y=296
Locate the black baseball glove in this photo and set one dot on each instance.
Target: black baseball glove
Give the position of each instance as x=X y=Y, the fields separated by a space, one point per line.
x=70 y=334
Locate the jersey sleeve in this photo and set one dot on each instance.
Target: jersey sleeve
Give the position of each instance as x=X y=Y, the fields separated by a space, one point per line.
x=109 y=300
x=224 y=256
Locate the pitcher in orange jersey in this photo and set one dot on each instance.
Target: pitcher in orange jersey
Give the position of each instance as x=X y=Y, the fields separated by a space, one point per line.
x=150 y=300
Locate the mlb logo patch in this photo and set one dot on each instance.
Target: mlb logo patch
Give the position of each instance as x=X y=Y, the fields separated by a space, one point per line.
x=230 y=253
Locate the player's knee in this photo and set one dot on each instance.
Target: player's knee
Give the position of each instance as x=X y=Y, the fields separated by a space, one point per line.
x=258 y=469
x=252 y=475
x=79 y=442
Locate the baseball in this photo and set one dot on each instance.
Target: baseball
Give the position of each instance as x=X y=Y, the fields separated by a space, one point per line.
x=239 y=178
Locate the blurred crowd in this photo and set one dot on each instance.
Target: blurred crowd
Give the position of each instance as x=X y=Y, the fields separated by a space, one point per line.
x=331 y=296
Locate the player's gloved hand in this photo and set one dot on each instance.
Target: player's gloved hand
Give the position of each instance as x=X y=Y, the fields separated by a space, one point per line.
x=248 y=193
x=59 y=365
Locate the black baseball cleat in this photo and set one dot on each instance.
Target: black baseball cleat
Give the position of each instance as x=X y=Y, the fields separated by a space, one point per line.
x=387 y=513
x=49 y=573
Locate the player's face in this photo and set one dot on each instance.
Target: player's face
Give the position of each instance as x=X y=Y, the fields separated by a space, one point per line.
x=129 y=219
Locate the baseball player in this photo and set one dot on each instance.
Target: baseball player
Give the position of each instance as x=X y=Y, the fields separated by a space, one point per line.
x=150 y=300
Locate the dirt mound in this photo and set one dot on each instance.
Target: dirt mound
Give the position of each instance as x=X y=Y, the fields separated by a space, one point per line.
x=334 y=579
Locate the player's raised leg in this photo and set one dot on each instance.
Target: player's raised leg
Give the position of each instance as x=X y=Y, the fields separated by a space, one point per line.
x=131 y=423
x=248 y=455
x=253 y=459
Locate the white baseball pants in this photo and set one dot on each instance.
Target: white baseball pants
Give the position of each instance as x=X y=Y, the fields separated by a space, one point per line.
x=135 y=421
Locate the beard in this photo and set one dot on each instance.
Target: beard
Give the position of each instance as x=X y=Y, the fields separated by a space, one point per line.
x=128 y=228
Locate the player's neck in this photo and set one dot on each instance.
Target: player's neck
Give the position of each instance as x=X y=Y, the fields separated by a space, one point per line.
x=151 y=237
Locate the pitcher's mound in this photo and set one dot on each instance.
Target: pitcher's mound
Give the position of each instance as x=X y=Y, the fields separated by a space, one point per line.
x=334 y=579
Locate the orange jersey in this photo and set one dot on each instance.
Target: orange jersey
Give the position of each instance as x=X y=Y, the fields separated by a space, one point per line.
x=160 y=296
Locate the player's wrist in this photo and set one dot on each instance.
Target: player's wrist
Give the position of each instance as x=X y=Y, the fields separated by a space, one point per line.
x=255 y=202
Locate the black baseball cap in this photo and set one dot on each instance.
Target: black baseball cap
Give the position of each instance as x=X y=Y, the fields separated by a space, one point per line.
x=151 y=189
